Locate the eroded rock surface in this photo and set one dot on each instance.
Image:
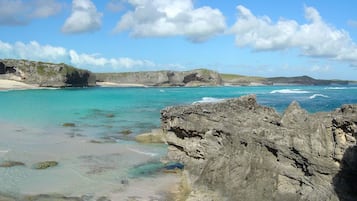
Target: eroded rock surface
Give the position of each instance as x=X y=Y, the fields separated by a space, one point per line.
x=240 y=150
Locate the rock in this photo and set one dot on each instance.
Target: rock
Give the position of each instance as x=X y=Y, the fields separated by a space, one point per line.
x=126 y=132
x=240 y=150
x=47 y=74
x=156 y=136
x=45 y=165
x=110 y=115
x=69 y=125
x=11 y=163
x=200 y=77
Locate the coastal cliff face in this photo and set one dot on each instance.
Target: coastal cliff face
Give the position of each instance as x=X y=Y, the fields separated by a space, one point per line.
x=240 y=150
x=45 y=74
x=201 y=77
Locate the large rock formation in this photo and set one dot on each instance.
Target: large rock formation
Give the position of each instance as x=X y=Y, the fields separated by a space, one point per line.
x=45 y=74
x=200 y=77
x=239 y=150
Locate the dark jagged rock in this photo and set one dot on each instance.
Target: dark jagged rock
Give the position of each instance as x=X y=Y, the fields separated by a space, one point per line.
x=46 y=74
x=240 y=150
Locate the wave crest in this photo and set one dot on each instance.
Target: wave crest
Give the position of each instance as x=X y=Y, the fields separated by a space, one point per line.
x=318 y=95
x=290 y=91
x=208 y=100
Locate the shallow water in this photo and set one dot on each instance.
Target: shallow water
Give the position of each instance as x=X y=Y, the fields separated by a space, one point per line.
x=31 y=131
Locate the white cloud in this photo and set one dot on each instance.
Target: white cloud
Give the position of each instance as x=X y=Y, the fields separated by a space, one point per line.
x=32 y=50
x=163 y=18
x=35 y=51
x=315 y=38
x=20 y=12
x=114 y=63
x=84 y=18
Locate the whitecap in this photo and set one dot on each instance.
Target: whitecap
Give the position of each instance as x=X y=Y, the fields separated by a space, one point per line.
x=289 y=91
x=318 y=95
x=162 y=91
x=208 y=100
x=336 y=88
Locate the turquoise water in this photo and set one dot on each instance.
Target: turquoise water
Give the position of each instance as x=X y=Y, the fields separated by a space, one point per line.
x=31 y=131
x=107 y=111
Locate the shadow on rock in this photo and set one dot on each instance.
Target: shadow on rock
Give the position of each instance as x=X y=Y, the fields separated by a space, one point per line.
x=345 y=181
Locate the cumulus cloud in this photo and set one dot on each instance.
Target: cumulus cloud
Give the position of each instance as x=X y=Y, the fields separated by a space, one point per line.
x=163 y=18
x=315 y=38
x=20 y=12
x=32 y=50
x=114 y=63
x=84 y=18
x=35 y=51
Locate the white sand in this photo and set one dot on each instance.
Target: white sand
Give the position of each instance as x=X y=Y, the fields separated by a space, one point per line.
x=114 y=84
x=11 y=84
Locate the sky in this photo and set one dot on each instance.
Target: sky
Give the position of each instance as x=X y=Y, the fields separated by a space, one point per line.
x=248 y=37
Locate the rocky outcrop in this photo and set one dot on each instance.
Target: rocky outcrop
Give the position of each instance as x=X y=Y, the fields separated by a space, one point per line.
x=240 y=150
x=45 y=74
x=201 y=77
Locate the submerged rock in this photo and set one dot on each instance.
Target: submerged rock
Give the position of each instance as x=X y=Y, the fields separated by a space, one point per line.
x=156 y=136
x=44 y=165
x=240 y=150
x=126 y=132
x=69 y=125
x=11 y=163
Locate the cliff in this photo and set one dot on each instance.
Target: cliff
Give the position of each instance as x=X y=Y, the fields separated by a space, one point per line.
x=240 y=150
x=45 y=74
x=200 y=77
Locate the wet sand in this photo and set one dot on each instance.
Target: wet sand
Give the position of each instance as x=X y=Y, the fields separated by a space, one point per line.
x=84 y=168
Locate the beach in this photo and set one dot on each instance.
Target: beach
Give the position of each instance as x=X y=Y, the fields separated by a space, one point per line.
x=6 y=84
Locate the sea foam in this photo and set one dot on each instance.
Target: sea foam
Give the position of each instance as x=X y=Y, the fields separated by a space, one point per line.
x=318 y=95
x=290 y=91
x=208 y=100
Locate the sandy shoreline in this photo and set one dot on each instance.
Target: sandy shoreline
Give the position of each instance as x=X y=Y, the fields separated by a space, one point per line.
x=114 y=84
x=15 y=85
x=85 y=168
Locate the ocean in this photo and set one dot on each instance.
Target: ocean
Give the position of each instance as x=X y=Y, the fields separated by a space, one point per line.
x=96 y=158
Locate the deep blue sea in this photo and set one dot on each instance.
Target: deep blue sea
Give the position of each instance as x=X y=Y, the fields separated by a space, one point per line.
x=31 y=130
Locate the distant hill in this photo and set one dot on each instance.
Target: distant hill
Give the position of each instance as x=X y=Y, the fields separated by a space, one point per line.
x=232 y=79
x=46 y=74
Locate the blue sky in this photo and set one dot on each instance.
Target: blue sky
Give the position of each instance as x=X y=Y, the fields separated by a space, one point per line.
x=274 y=38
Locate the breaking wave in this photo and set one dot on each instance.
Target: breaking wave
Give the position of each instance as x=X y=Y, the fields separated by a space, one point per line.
x=318 y=95
x=289 y=91
x=208 y=100
x=336 y=88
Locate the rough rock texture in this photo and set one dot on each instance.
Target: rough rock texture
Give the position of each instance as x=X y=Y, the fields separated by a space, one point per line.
x=45 y=74
x=201 y=77
x=239 y=150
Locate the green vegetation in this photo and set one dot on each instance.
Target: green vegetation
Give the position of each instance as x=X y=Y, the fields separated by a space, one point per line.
x=241 y=78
